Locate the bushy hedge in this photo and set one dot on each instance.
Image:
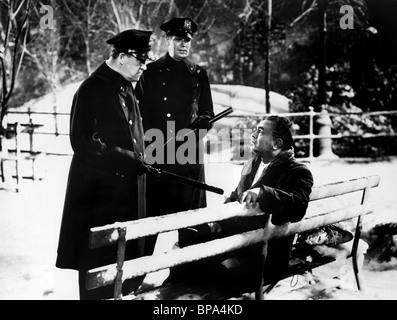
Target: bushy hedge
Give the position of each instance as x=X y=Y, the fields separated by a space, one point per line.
x=347 y=119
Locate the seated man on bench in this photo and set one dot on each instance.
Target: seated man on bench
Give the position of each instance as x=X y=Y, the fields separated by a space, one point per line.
x=273 y=180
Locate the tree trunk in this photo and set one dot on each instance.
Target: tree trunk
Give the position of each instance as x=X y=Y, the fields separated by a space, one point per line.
x=322 y=61
x=267 y=54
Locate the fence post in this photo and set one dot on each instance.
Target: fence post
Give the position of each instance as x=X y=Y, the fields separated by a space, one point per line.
x=311 y=134
x=324 y=124
x=30 y=130
x=118 y=294
x=55 y=113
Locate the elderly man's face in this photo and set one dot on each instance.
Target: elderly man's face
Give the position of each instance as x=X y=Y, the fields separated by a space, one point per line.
x=131 y=67
x=178 y=48
x=262 y=140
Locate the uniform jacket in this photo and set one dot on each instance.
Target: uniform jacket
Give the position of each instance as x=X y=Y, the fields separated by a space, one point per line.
x=106 y=135
x=285 y=190
x=176 y=92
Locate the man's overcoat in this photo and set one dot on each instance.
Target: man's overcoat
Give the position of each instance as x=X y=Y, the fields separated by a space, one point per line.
x=172 y=94
x=285 y=186
x=106 y=135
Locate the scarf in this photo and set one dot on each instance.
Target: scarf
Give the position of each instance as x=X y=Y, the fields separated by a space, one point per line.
x=281 y=158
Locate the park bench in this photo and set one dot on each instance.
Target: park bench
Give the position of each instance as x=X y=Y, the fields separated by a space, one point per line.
x=329 y=204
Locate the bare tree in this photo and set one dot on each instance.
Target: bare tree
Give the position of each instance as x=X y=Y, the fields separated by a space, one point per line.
x=14 y=26
x=323 y=17
x=88 y=20
x=131 y=13
x=142 y=14
x=43 y=49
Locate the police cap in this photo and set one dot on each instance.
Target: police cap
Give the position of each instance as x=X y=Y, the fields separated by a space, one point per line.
x=132 y=41
x=180 y=27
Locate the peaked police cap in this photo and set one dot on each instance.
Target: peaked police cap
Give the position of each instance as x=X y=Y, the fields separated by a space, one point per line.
x=131 y=40
x=180 y=27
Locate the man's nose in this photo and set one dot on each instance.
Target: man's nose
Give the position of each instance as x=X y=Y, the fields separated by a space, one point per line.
x=143 y=66
x=254 y=134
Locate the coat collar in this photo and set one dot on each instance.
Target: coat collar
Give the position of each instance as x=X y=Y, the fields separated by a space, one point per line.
x=283 y=157
x=166 y=62
x=114 y=79
x=252 y=165
x=117 y=85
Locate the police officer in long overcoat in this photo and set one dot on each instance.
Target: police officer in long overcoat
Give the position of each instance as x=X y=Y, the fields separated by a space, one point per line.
x=174 y=93
x=107 y=178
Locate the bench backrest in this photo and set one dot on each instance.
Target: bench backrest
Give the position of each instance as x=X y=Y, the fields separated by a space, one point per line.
x=122 y=232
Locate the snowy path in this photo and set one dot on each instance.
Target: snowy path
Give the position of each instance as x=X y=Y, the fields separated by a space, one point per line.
x=30 y=220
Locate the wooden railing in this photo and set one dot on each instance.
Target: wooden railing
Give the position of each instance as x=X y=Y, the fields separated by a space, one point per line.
x=32 y=127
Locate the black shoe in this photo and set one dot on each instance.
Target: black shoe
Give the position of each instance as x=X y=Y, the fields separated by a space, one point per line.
x=328 y=235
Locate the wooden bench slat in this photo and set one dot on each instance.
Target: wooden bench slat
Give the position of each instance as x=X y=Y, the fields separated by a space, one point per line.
x=215 y=291
x=314 y=218
x=343 y=187
x=141 y=266
x=107 y=235
x=320 y=220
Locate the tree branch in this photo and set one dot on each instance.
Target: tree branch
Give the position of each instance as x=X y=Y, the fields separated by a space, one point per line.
x=312 y=7
x=15 y=65
x=117 y=15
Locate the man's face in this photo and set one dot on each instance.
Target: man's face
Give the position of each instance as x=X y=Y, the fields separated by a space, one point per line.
x=178 y=48
x=131 y=67
x=263 y=141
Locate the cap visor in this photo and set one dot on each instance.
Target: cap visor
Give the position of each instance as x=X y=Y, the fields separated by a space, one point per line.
x=184 y=35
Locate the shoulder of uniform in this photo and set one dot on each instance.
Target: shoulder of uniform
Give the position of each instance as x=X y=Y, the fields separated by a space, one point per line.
x=155 y=65
x=152 y=65
x=194 y=68
x=100 y=84
x=200 y=69
x=191 y=65
x=160 y=61
x=93 y=88
x=93 y=82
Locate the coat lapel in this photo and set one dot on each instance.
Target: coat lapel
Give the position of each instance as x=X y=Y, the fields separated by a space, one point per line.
x=248 y=174
x=118 y=91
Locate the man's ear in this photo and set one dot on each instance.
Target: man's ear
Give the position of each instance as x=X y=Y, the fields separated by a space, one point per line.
x=277 y=144
x=122 y=57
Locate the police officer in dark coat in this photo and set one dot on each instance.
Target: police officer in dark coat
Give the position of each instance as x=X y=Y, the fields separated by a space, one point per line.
x=107 y=175
x=174 y=94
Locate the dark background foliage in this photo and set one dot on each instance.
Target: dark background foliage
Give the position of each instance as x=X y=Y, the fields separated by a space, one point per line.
x=360 y=64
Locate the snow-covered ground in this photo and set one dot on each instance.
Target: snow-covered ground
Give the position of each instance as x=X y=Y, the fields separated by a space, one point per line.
x=30 y=221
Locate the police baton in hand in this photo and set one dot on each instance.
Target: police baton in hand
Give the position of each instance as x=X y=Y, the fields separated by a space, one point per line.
x=211 y=121
x=221 y=115
x=187 y=181
x=214 y=119
x=148 y=169
x=182 y=179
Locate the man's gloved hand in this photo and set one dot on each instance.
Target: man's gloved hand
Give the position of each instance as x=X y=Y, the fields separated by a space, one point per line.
x=202 y=122
x=96 y=146
x=144 y=167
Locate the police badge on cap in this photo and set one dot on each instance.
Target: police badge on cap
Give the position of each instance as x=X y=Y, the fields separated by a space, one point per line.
x=180 y=27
